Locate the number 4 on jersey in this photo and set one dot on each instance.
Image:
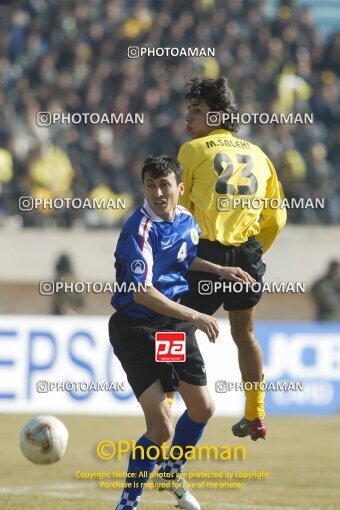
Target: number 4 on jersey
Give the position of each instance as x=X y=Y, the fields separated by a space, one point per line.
x=182 y=254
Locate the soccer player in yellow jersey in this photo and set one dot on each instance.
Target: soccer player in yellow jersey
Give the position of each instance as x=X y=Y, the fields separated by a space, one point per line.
x=222 y=176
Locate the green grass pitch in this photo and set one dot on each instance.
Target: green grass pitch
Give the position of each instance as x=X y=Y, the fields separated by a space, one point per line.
x=301 y=456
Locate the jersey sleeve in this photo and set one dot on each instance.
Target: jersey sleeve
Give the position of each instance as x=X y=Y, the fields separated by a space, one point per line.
x=184 y=158
x=194 y=234
x=273 y=219
x=135 y=257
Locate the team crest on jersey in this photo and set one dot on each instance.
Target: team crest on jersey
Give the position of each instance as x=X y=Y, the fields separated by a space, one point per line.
x=194 y=236
x=138 y=266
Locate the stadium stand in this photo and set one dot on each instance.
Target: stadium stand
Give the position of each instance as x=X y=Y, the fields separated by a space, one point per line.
x=72 y=57
x=326 y=13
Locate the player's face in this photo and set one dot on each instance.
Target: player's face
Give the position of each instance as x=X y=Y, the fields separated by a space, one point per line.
x=196 y=119
x=162 y=194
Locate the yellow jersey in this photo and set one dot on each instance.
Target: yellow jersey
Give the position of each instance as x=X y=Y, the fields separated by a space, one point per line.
x=232 y=190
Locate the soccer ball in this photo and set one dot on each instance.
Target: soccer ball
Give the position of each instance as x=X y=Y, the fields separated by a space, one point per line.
x=44 y=439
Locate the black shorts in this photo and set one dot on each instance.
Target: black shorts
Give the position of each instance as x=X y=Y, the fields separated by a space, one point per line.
x=247 y=256
x=133 y=342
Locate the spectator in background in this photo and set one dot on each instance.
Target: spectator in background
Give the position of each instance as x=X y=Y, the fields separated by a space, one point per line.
x=326 y=294
x=72 y=57
x=66 y=303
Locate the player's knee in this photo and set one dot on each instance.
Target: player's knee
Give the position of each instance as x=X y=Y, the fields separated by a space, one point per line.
x=165 y=432
x=208 y=410
x=161 y=431
x=243 y=335
x=203 y=412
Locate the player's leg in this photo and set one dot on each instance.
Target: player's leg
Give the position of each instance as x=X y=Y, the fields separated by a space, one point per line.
x=188 y=432
x=251 y=366
x=249 y=350
x=157 y=413
x=159 y=429
x=198 y=401
x=241 y=307
x=170 y=397
x=197 y=298
x=191 y=424
x=134 y=346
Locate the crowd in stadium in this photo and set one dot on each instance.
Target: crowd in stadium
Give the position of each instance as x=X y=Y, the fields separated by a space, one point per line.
x=62 y=56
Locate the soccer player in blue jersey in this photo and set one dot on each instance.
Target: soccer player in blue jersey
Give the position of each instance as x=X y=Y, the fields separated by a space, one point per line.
x=157 y=246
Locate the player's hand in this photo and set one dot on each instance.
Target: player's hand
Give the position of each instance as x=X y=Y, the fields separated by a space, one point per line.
x=235 y=274
x=208 y=325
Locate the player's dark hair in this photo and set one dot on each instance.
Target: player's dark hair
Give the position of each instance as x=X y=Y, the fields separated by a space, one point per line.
x=160 y=166
x=218 y=96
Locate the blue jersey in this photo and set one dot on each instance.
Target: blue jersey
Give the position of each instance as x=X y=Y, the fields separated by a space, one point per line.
x=152 y=251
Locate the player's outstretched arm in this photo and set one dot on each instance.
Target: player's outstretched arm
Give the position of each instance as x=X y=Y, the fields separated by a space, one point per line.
x=158 y=303
x=234 y=274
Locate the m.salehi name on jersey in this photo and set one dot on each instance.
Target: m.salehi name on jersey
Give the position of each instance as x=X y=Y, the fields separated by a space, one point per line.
x=222 y=142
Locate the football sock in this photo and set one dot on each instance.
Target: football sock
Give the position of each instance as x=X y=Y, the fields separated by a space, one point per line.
x=170 y=401
x=187 y=433
x=139 y=465
x=254 y=402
